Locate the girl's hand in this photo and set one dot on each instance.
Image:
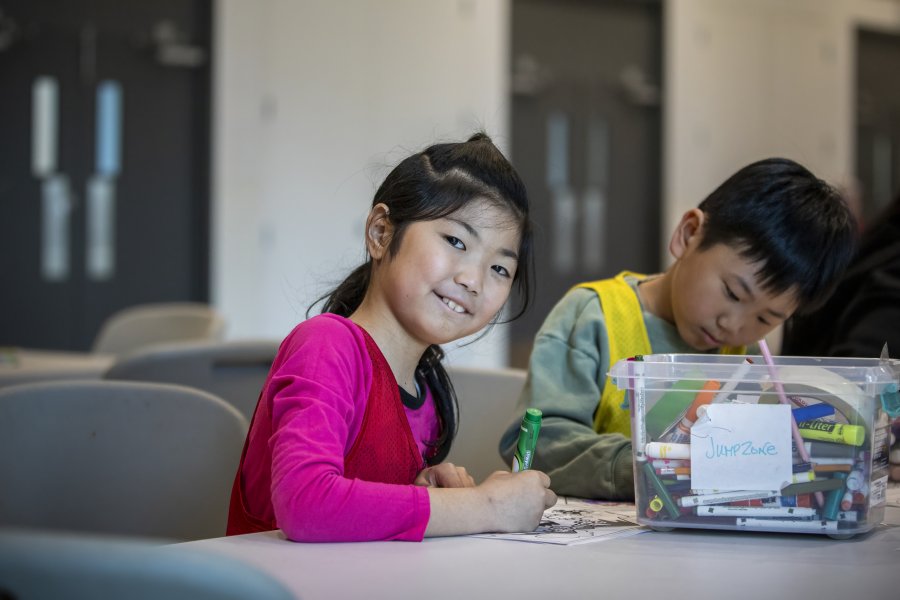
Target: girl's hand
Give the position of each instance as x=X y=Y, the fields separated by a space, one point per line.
x=505 y=502
x=445 y=475
x=518 y=500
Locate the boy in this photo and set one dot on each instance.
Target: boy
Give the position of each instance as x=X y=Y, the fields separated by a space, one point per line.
x=770 y=241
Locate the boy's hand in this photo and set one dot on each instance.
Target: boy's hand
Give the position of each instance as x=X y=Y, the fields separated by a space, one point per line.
x=444 y=475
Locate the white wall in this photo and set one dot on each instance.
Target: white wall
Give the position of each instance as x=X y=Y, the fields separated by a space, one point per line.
x=746 y=80
x=315 y=101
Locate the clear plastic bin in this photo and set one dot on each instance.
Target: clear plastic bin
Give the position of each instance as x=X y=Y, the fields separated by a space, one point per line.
x=716 y=443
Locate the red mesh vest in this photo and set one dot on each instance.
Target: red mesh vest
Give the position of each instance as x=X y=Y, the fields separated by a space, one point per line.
x=384 y=450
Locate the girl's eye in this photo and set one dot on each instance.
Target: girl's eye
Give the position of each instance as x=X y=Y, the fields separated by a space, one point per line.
x=503 y=271
x=730 y=294
x=455 y=242
x=763 y=321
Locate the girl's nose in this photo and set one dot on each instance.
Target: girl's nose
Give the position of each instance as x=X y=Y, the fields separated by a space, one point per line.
x=468 y=278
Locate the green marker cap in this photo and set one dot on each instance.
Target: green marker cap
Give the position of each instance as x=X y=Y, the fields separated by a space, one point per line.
x=533 y=415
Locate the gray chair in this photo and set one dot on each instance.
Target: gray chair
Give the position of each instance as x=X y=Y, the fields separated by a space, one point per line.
x=487 y=399
x=234 y=371
x=38 y=565
x=120 y=457
x=147 y=324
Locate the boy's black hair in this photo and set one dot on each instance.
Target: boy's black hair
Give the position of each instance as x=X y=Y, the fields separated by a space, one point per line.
x=777 y=213
x=429 y=185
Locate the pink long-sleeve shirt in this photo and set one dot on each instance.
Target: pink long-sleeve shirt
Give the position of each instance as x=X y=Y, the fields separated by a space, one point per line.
x=307 y=419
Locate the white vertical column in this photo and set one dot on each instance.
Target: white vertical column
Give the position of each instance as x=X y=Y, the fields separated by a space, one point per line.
x=593 y=238
x=56 y=204
x=563 y=203
x=101 y=187
x=44 y=126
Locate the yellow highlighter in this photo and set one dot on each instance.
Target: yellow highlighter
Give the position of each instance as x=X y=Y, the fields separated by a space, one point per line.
x=852 y=435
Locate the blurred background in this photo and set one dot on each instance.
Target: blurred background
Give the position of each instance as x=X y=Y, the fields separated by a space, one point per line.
x=227 y=151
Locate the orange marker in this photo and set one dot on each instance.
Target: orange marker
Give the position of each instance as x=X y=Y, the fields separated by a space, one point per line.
x=681 y=433
x=673 y=471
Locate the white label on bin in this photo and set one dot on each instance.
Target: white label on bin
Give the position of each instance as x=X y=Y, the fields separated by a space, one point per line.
x=878 y=491
x=742 y=447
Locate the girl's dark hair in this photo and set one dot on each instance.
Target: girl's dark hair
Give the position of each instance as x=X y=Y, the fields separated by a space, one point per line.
x=429 y=185
x=779 y=214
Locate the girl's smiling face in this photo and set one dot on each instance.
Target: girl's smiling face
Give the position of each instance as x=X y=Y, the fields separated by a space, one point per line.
x=450 y=276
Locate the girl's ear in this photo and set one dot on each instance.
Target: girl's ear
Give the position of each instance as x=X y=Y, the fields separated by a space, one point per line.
x=688 y=233
x=379 y=231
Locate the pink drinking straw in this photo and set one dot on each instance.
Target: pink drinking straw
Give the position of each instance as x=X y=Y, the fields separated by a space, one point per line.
x=795 y=431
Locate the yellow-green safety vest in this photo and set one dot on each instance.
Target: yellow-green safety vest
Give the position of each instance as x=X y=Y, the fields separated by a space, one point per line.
x=628 y=337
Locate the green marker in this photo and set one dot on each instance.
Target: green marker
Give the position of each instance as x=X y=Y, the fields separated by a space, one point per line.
x=528 y=434
x=661 y=490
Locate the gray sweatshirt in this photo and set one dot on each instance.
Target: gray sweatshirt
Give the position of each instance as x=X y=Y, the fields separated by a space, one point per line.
x=566 y=374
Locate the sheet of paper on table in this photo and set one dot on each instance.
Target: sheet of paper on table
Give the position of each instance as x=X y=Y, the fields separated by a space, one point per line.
x=578 y=521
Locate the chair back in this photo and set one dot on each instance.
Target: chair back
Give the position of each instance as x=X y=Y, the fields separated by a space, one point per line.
x=147 y=324
x=487 y=399
x=53 y=565
x=120 y=457
x=234 y=371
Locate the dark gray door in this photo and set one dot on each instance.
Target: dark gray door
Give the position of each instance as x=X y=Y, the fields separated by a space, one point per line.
x=586 y=139
x=878 y=120
x=104 y=118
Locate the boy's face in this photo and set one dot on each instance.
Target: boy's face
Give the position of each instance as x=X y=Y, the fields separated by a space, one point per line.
x=716 y=299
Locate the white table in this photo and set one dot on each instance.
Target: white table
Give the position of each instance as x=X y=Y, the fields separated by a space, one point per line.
x=691 y=564
x=26 y=365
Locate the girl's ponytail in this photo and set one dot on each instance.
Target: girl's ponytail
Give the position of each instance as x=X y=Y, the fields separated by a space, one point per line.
x=432 y=372
x=349 y=294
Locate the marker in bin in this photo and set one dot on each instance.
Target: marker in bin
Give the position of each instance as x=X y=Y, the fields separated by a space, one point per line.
x=528 y=434
x=782 y=397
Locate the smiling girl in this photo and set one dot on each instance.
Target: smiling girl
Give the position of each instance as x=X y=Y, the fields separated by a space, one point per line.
x=357 y=413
